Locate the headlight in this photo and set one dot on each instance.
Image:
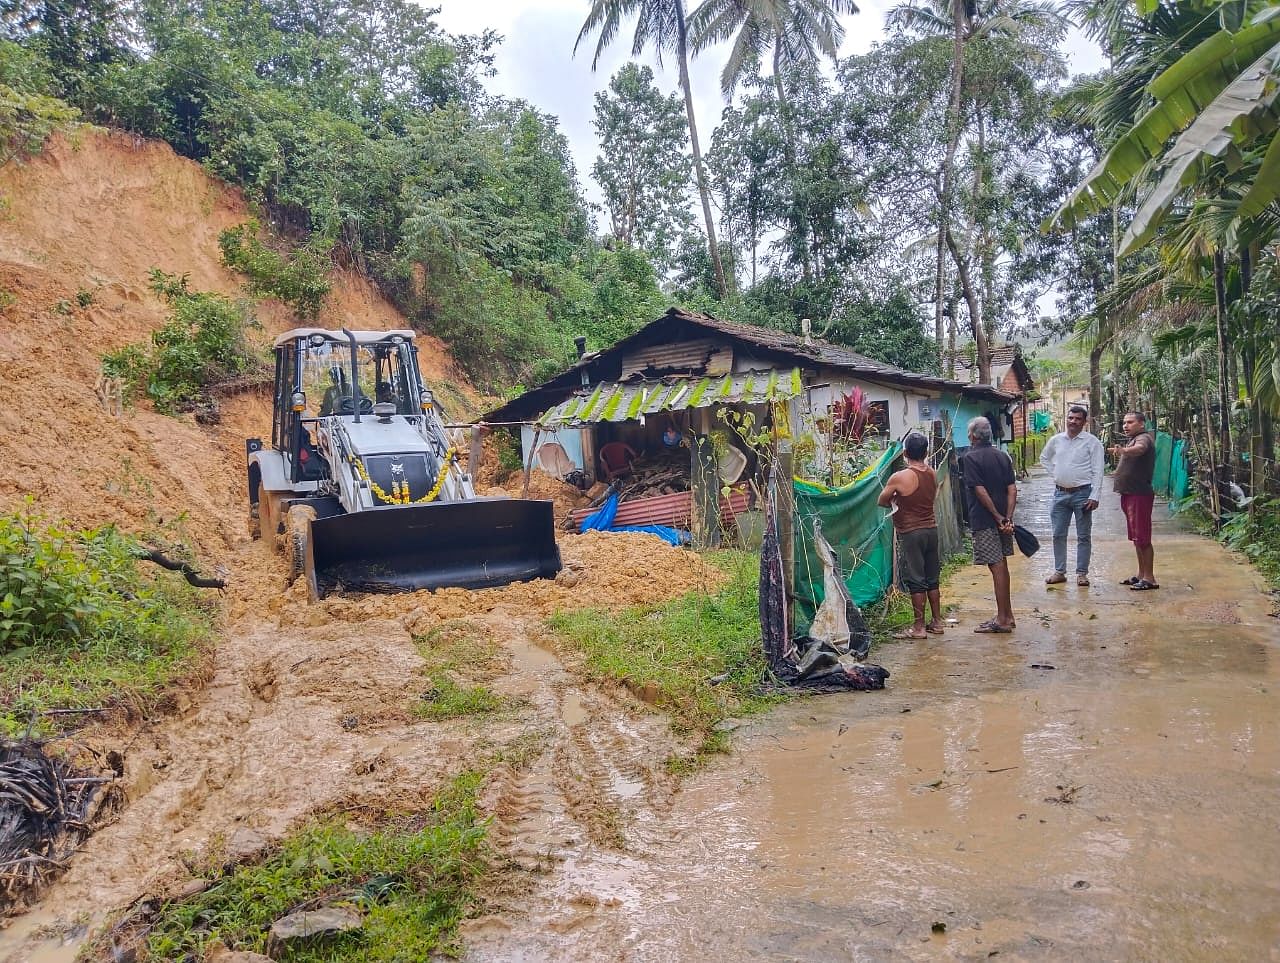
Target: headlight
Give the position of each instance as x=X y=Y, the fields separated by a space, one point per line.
x=299 y=401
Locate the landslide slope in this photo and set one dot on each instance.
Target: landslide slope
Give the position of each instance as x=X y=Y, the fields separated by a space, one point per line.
x=308 y=708
x=86 y=221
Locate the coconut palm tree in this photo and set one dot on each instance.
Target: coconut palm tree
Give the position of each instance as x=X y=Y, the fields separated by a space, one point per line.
x=794 y=33
x=662 y=25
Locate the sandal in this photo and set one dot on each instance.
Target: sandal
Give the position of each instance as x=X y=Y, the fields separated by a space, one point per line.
x=994 y=628
x=1131 y=580
x=909 y=635
x=1142 y=585
x=933 y=629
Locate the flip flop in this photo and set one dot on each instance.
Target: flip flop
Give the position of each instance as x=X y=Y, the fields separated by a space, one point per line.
x=933 y=631
x=994 y=628
x=1142 y=585
x=1131 y=580
x=909 y=635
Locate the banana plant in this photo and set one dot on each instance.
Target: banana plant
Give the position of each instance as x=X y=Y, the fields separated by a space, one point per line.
x=1219 y=101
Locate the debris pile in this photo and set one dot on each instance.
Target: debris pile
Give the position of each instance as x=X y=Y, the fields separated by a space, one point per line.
x=46 y=809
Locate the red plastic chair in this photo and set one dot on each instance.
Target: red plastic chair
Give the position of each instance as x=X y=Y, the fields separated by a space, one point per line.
x=615 y=459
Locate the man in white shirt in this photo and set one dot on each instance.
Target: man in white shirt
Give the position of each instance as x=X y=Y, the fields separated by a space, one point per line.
x=1074 y=460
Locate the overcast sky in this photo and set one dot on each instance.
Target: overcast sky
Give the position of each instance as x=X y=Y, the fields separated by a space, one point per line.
x=536 y=62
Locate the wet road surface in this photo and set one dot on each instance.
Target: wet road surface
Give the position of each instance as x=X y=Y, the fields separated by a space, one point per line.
x=1101 y=784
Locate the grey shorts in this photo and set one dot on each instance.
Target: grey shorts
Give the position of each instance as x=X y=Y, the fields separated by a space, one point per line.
x=918 y=564
x=989 y=546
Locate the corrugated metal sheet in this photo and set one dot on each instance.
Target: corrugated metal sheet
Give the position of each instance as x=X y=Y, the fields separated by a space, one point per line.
x=675 y=509
x=613 y=401
x=690 y=357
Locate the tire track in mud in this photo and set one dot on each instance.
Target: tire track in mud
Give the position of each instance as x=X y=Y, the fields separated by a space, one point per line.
x=306 y=710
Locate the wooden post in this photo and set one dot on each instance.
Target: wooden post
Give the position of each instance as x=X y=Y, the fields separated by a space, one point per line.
x=704 y=486
x=528 y=465
x=476 y=452
x=588 y=436
x=786 y=524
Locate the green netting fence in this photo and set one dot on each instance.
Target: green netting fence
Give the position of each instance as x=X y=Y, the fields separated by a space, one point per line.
x=1172 y=477
x=861 y=534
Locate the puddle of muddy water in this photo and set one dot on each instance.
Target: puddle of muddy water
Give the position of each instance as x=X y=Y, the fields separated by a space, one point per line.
x=44 y=938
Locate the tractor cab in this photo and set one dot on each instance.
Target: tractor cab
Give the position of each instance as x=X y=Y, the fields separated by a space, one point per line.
x=325 y=374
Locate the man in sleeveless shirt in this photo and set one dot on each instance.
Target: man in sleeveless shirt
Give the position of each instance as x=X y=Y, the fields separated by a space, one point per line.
x=1133 y=484
x=913 y=490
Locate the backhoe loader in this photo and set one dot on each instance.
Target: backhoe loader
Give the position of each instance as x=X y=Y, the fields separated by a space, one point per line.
x=361 y=486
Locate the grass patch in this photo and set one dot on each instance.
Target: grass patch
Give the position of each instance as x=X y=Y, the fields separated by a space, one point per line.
x=413 y=878
x=678 y=647
x=458 y=653
x=83 y=626
x=446 y=699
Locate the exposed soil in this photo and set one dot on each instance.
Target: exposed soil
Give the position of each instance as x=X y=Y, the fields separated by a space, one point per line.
x=91 y=216
x=307 y=708
x=565 y=497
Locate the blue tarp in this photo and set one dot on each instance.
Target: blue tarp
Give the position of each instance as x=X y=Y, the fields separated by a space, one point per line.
x=602 y=520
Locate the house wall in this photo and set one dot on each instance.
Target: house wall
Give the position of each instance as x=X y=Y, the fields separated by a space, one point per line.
x=903 y=403
x=962 y=411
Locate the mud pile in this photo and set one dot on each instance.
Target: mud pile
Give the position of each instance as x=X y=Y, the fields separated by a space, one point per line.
x=565 y=497
x=601 y=570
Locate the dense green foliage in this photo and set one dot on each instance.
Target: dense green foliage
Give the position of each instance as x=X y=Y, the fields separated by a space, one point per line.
x=202 y=343
x=298 y=279
x=363 y=130
x=411 y=878
x=644 y=166
x=27 y=113
x=80 y=625
x=1181 y=312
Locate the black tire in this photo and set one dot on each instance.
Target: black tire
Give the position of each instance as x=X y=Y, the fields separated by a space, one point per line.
x=297 y=530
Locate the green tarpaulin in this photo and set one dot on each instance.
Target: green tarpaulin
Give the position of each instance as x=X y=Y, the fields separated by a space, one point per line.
x=1171 y=477
x=861 y=532
x=858 y=529
x=1040 y=420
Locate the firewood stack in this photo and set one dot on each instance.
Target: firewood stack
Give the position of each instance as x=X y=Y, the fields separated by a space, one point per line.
x=662 y=473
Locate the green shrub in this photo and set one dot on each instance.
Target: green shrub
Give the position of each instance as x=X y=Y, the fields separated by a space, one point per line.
x=300 y=280
x=1257 y=536
x=81 y=625
x=27 y=114
x=202 y=343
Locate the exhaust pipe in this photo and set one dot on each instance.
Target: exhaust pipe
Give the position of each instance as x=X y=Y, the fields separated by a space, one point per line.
x=355 y=375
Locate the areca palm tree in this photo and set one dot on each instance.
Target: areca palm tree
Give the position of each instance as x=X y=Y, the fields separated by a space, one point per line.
x=963 y=23
x=662 y=25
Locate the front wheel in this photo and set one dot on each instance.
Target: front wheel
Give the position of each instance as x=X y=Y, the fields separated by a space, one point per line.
x=297 y=529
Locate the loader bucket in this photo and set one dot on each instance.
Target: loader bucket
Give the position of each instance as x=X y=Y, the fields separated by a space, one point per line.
x=479 y=543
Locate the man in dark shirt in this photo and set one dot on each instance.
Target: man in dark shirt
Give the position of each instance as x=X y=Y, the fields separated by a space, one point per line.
x=991 y=494
x=1133 y=483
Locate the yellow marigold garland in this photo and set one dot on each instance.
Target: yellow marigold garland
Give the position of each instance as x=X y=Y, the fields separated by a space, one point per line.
x=399 y=494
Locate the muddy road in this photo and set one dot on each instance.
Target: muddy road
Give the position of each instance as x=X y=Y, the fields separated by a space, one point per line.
x=1101 y=784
